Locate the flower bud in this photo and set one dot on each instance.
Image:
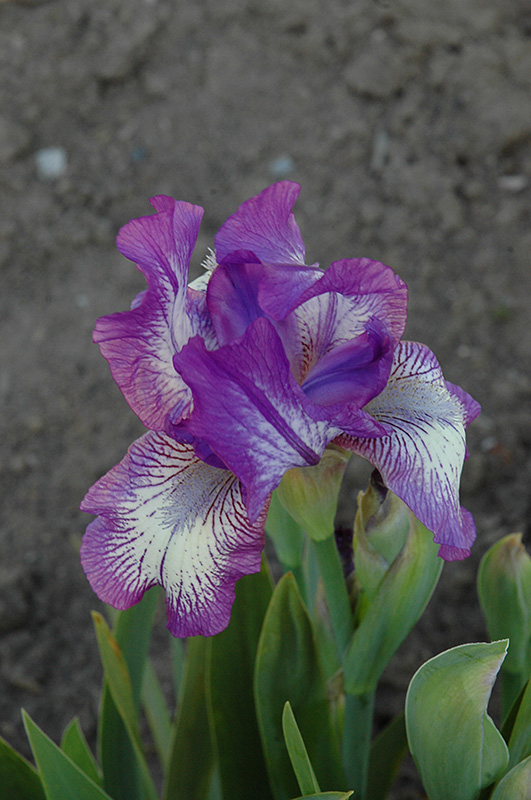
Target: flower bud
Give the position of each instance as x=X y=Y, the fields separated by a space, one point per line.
x=396 y=571
x=381 y=527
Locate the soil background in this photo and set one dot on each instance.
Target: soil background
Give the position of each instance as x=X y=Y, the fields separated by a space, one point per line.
x=408 y=124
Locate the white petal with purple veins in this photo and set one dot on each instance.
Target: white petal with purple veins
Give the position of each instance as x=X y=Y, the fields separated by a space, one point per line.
x=421 y=461
x=167 y=518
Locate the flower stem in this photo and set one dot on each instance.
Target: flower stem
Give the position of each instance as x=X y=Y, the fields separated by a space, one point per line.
x=357 y=741
x=335 y=591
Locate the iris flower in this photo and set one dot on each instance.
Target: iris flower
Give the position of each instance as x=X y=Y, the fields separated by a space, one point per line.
x=251 y=370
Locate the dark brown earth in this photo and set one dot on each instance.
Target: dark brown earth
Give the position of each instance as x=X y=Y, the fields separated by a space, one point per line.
x=408 y=124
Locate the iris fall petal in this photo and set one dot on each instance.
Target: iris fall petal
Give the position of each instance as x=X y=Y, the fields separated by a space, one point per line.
x=421 y=460
x=166 y=518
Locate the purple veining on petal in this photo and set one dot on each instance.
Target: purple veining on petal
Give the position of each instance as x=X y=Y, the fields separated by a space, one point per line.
x=421 y=460
x=372 y=289
x=471 y=407
x=139 y=344
x=250 y=410
x=161 y=202
x=177 y=430
x=336 y=309
x=167 y=518
x=265 y=226
x=450 y=552
x=356 y=422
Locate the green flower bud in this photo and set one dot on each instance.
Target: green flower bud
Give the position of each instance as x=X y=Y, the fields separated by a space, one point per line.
x=381 y=527
x=396 y=571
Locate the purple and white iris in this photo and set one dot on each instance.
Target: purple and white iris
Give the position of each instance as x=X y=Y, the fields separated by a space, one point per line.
x=250 y=370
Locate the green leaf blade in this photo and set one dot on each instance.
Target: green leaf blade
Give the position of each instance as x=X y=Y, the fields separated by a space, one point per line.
x=287 y=668
x=61 y=778
x=286 y=534
x=74 y=745
x=117 y=676
x=121 y=773
x=298 y=754
x=520 y=739
x=454 y=743
x=124 y=698
x=327 y=796
x=387 y=752
x=243 y=772
x=190 y=777
x=157 y=713
x=516 y=785
x=18 y=778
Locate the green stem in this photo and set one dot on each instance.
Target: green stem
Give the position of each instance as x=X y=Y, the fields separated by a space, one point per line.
x=335 y=591
x=357 y=741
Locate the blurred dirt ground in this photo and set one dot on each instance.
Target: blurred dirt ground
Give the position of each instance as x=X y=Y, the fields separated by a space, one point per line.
x=408 y=124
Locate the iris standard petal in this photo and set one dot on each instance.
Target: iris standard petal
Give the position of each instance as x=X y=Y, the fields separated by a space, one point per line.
x=421 y=461
x=266 y=226
x=352 y=372
x=232 y=297
x=337 y=308
x=139 y=344
x=372 y=289
x=238 y=290
x=167 y=518
x=249 y=409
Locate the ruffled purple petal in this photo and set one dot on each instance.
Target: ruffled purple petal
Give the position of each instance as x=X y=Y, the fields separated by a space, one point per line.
x=368 y=290
x=139 y=344
x=167 y=518
x=238 y=291
x=374 y=291
x=265 y=226
x=353 y=372
x=161 y=244
x=232 y=298
x=250 y=410
x=421 y=461
x=282 y=287
x=337 y=308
